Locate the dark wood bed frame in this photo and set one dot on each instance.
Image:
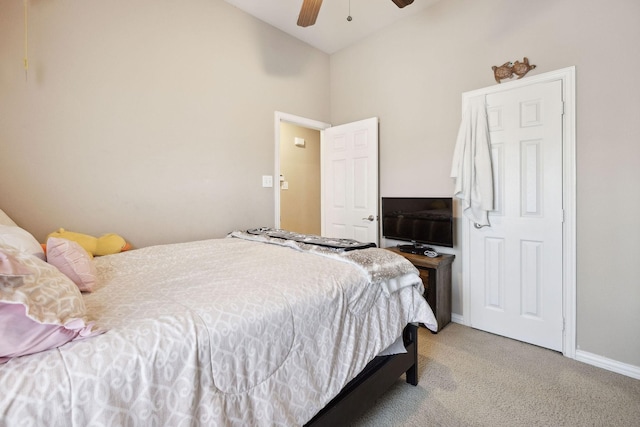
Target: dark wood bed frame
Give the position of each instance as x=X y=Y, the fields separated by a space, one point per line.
x=360 y=393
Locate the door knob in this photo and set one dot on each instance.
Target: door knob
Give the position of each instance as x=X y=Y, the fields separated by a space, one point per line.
x=369 y=218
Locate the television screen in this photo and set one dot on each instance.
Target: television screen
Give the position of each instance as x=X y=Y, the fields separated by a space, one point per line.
x=421 y=220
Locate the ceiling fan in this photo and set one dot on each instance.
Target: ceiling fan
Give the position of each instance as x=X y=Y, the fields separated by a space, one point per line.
x=310 y=9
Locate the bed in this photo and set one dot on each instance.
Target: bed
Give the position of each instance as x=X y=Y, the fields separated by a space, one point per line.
x=244 y=330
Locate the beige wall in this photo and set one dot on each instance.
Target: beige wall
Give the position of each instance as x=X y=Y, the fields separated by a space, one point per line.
x=412 y=75
x=152 y=119
x=300 y=166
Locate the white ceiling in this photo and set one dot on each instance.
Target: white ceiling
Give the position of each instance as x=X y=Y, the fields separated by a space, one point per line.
x=331 y=31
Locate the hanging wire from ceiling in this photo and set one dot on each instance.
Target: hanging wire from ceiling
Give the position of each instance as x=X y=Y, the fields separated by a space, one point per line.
x=26 y=42
x=349 y=18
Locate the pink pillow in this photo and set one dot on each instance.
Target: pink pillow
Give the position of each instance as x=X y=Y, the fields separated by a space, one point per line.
x=73 y=261
x=43 y=311
x=22 y=335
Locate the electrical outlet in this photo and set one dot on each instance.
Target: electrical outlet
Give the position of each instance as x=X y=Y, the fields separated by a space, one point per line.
x=267 y=181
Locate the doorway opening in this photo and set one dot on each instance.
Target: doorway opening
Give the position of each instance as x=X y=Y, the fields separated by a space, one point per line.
x=300 y=179
x=348 y=177
x=300 y=188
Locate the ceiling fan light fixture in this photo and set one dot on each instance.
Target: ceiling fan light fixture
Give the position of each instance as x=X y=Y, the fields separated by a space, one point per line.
x=402 y=3
x=309 y=12
x=310 y=9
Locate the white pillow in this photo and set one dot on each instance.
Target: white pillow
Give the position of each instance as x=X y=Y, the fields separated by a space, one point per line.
x=5 y=220
x=12 y=273
x=14 y=237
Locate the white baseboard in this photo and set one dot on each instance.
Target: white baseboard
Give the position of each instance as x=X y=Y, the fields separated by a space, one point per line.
x=608 y=364
x=588 y=358
x=456 y=318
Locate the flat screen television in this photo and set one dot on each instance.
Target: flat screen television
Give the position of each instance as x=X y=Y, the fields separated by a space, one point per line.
x=419 y=220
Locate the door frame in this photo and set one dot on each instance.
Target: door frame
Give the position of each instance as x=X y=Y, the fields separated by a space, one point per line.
x=568 y=78
x=298 y=121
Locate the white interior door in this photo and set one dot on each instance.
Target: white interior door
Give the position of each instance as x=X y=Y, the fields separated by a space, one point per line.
x=350 y=181
x=516 y=264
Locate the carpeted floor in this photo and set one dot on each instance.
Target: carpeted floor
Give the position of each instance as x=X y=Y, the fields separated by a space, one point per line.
x=473 y=378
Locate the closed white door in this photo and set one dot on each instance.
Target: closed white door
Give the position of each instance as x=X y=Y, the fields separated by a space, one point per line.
x=516 y=266
x=349 y=162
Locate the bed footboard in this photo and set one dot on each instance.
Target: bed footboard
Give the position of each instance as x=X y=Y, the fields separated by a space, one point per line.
x=360 y=393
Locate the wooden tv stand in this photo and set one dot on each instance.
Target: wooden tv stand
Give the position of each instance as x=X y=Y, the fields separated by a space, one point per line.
x=436 y=276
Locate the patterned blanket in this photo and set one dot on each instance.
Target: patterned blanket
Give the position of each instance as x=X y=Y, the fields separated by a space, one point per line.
x=222 y=332
x=384 y=268
x=311 y=239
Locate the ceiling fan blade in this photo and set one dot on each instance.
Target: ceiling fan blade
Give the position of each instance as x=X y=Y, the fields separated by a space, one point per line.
x=402 y=3
x=309 y=12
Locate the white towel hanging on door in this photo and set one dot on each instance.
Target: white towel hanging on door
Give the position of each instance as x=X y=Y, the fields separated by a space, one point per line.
x=471 y=165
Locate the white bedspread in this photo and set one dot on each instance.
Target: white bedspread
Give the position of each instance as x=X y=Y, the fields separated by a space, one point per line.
x=211 y=333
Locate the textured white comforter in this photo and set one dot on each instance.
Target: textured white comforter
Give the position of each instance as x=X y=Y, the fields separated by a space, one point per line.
x=211 y=333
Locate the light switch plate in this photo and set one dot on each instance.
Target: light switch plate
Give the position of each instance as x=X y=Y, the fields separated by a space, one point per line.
x=267 y=181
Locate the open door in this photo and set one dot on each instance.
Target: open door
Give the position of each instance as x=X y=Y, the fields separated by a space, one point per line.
x=349 y=181
x=349 y=157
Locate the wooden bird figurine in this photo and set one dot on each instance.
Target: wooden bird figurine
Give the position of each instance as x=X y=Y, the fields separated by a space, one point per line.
x=505 y=71
x=522 y=68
